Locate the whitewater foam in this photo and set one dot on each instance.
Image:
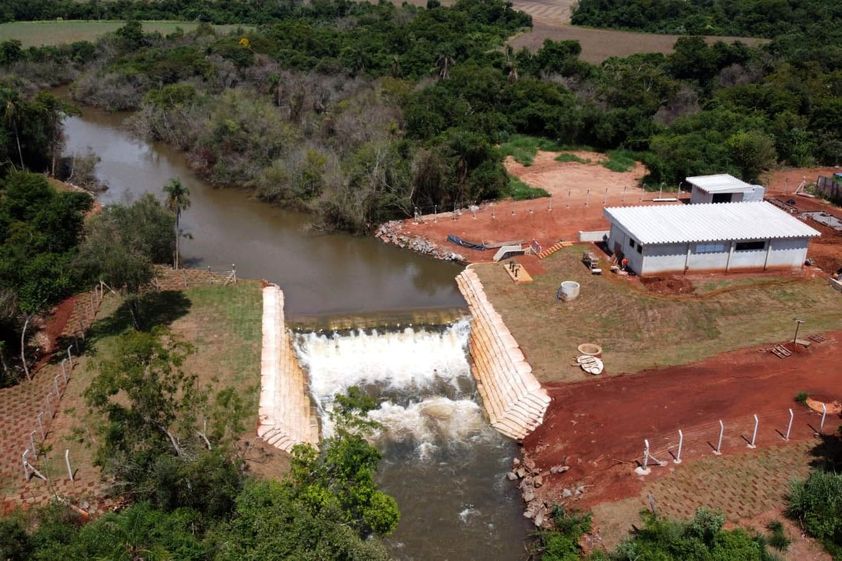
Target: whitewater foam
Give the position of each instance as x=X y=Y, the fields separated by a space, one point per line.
x=409 y=367
x=404 y=360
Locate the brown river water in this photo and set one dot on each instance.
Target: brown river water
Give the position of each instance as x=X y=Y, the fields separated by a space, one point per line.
x=441 y=460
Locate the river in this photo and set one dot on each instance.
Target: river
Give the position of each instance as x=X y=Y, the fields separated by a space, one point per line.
x=441 y=460
x=319 y=273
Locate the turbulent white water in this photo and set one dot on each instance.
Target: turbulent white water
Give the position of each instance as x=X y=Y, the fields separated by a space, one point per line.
x=423 y=375
x=442 y=461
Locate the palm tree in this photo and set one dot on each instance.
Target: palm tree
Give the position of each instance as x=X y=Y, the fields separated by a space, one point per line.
x=178 y=200
x=10 y=113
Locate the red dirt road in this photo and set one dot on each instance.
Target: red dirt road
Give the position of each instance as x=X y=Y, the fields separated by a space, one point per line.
x=598 y=427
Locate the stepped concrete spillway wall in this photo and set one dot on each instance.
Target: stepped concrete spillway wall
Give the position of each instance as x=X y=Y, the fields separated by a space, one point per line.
x=512 y=396
x=286 y=416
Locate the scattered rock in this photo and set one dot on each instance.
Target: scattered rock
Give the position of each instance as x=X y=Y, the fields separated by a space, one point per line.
x=527 y=482
x=529 y=494
x=529 y=463
x=566 y=493
x=511 y=476
x=559 y=469
x=516 y=462
x=539 y=519
x=520 y=472
x=390 y=232
x=538 y=480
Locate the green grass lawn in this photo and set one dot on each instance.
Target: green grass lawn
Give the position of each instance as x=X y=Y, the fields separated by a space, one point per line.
x=222 y=322
x=638 y=329
x=41 y=33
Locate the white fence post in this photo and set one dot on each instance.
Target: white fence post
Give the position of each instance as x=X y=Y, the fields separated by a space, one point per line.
x=70 y=357
x=677 y=459
x=67 y=462
x=824 y=416
x=753 y=443
x=644 y=469
x=789 y=425
x=718 y=450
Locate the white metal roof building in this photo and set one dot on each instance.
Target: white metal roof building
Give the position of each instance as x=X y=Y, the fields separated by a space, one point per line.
x=708 y=237
x=723 y=188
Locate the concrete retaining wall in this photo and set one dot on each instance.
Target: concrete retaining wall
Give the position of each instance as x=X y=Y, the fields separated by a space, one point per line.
x=286 y=416
x=512 y=396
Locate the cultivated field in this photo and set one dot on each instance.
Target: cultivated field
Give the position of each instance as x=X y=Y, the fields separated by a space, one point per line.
x=640 y=329
x=44 y=33
x=600 y=44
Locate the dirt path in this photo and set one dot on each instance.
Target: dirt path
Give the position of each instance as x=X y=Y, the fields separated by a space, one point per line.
x=597 y=427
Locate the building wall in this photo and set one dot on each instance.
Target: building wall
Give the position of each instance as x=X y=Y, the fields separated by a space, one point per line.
x=672 y=258
x=788 y=253
x=619 y=237
x=698 y=196
x=708 y=256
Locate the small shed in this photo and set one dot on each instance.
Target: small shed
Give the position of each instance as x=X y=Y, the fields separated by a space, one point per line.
x=748 y=236
x=723 y=188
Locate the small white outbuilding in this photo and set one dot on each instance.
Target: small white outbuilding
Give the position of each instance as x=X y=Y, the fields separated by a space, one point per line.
x=723 y=188
x=748 y=236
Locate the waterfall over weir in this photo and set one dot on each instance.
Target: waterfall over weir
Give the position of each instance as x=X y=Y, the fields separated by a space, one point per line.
x=442 y=461
x=421 y=375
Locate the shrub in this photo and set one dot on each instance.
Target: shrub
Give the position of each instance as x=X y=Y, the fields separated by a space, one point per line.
x=801 y=397
x=620 y=161
x=817 y=505
x=565 y=157
x=778 y=538
x=520 y=191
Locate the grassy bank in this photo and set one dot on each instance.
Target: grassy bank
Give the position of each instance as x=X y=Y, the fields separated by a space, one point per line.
x=47 y=33
x=639 y=330
x=221 y=322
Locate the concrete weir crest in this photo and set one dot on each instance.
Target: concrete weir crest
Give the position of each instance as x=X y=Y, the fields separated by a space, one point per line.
x=512 y=396
x=286 y=416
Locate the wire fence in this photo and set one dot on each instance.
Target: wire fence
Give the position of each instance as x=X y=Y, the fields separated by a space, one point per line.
x=729 y=435
x=562 y=200
x=49 y=405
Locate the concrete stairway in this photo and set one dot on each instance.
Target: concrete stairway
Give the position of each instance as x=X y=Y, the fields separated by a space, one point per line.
x=286 y=415
x=513 y=398
x=553 y=248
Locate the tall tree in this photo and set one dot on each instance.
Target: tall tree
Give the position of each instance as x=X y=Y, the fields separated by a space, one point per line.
x=178 y=200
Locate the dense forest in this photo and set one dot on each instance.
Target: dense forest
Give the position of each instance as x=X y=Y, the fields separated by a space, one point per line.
x=361 y=113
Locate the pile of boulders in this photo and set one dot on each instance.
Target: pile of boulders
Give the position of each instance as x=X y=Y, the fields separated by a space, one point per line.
x=530 y=478
x=391 y=232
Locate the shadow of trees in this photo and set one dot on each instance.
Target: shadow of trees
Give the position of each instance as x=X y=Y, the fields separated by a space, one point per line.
x=151 y=310
x=827 y=454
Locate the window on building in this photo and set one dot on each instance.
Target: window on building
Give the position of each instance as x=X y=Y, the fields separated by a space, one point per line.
x=750 y=246
x=639 y=248
x=710 y=248
x=631 y=242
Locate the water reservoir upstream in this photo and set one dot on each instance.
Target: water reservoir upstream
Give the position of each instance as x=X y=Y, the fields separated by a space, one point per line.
x=442 y=461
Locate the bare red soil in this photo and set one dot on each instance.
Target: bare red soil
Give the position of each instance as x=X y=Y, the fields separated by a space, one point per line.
x=598 y=427
x=578 y=193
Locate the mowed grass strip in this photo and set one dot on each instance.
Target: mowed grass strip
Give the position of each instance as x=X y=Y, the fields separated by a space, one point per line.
x=49 y=33
x=638 y=329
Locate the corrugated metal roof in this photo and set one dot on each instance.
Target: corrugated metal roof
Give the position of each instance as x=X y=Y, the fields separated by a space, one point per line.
x=708 y=222
x=721 y=183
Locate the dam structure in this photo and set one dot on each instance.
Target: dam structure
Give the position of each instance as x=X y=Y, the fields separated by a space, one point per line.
x=452 y=395
x=513 y=398
x=286 y=415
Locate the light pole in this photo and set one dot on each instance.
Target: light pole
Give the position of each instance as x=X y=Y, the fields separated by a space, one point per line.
x=798 y=323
